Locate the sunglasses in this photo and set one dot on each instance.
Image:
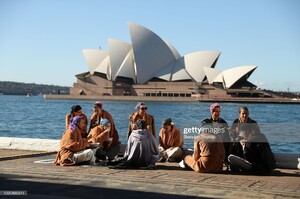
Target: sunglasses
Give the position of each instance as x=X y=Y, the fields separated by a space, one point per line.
x=143 y=108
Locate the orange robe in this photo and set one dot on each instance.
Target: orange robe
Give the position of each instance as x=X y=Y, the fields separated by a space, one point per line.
x=97 y=136
x=149 y=122
x=208 y=154
x=95 y=121
x=70 y=143
x=83 y=131
x=170 y=139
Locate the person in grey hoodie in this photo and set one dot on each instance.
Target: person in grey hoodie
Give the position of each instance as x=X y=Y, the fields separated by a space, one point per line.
x=141 y=151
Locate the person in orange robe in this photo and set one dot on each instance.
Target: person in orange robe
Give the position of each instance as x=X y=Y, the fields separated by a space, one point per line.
x=76 y=110
x=208 y=153
x=102 y=134
x=170 y=142
x=99 y=114
x=73 y=147
x=141 y=113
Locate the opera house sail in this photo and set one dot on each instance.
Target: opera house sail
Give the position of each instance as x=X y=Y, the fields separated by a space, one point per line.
x=150 y=66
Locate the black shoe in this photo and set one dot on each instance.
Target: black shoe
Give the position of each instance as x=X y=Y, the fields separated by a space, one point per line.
x=122 y=165
x=162 y=159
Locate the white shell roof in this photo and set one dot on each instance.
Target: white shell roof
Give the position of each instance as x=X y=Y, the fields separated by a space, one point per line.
x=93 y=58
x=211 y=74
x=150 y=56
x=120 y=63
x=232 y=75
x=104 y=67
x=151 y=53
x=194 y=63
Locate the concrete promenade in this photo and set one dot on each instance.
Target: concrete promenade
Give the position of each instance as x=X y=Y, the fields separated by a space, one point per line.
x=34 y=173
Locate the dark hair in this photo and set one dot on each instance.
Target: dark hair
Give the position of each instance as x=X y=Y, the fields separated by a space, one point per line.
x=167 y=122
x=140 y=124
x=243 y=108
x=75 y=108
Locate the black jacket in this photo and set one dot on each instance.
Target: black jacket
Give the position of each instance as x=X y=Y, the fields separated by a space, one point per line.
x=237 y=123
x=258 y=153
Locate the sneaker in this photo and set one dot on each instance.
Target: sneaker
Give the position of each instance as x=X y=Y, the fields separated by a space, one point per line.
x=182 y=164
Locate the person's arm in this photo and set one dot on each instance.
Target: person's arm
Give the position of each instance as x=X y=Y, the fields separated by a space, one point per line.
x=93 y=121
x=153 y=128
x=68 y=116
x=178 y=139
x=160 y=141
x=103 y=136
x=197 y=150
x=85 y=123
x=129 y=130
x=75 y=142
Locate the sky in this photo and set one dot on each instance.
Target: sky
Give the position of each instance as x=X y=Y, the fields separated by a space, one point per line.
x=41 y=41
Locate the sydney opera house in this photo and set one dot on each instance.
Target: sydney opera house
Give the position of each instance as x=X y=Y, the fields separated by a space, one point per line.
x=150 y=66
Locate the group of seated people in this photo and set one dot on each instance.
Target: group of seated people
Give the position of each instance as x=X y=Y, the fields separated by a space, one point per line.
x=242 y=148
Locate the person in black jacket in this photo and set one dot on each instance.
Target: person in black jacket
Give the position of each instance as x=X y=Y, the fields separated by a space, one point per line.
x=219 y=127
x=252 y=154
x=243 y=119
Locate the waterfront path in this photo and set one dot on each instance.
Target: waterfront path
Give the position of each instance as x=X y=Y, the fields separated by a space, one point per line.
x=19 y=172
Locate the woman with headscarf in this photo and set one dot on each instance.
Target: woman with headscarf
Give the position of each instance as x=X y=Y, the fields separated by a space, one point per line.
x=100 y=114
x=102 y=134
x=76 y=110
x=141 y=114
x=220 y=127
x=73 y=147
x=170 y=142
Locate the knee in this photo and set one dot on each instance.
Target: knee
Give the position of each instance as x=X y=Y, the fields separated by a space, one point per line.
x=231 y=158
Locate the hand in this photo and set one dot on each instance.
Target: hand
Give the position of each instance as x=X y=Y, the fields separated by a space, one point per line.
x=244 y=143
x=95 y=145
x=133 y=126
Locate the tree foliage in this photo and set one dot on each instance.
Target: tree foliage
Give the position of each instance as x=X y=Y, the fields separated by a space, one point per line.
x=17 y=88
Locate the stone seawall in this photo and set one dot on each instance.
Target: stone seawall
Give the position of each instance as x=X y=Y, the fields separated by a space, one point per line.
x=121 y=98
x=174 y=99
x=288 y=161
x=31 y=144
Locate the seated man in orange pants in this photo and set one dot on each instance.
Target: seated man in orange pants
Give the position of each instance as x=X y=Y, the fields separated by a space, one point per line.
x=208 y=153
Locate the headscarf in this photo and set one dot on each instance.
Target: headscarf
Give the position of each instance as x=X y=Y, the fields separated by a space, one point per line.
x=98 y=104
x=213 y=106
x=138 y=104
x=104 y=122
x=74 y=121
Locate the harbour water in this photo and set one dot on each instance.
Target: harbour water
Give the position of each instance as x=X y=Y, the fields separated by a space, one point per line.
x=35 y=117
